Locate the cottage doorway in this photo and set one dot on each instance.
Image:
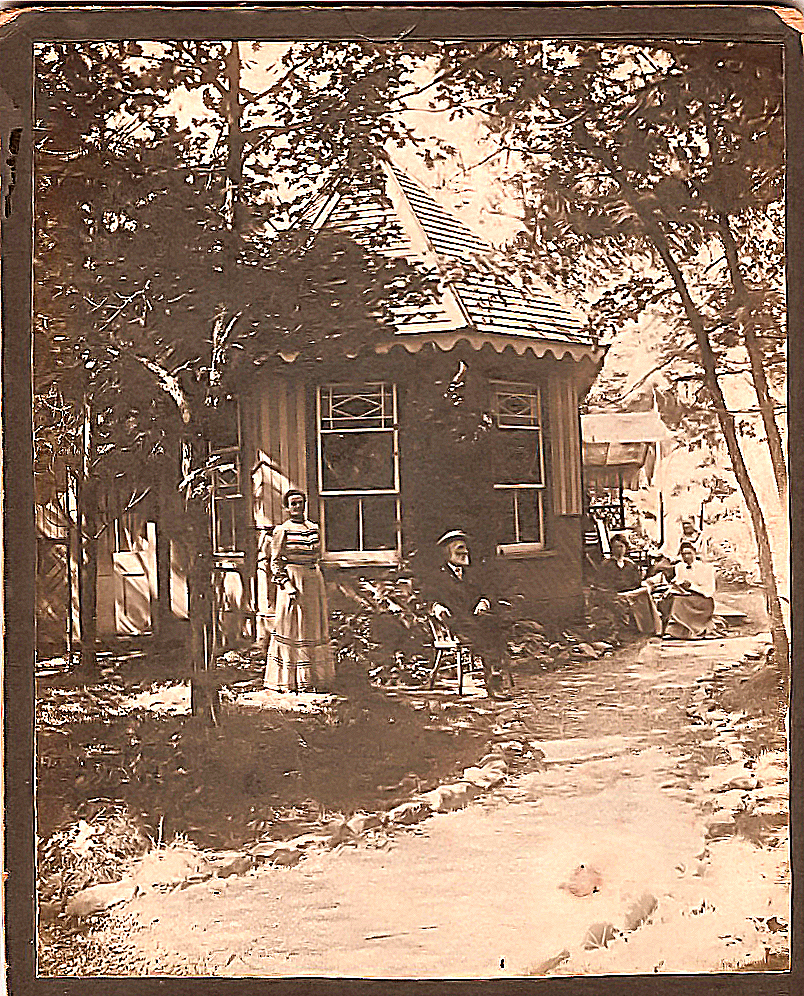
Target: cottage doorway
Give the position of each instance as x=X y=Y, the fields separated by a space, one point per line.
x=134 y=576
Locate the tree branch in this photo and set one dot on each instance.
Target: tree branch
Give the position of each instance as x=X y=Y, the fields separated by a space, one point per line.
x=752 y=347
x=659 y=366
x=452 y=71
x=170 y=384
x=711 y=382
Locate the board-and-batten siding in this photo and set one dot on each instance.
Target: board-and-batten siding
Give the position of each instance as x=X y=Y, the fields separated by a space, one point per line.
x=565 y=447
x=280 y=462
x=280 y=438
x=280 y=443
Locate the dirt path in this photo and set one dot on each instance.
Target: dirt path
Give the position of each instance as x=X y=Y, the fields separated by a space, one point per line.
x=630 y=774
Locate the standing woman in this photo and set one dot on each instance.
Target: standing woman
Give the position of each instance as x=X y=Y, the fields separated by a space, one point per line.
x=299 y=652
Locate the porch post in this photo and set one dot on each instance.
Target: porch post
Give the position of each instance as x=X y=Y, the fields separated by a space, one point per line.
x=622 y=501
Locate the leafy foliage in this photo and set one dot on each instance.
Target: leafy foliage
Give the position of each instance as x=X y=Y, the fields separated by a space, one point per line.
x=661 y=161
x=622 y=145
x=137 y=246
x=170 y=258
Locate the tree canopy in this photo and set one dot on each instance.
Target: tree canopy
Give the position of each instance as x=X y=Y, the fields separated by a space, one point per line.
x=173 y=251
x=642 y=168
x=654 y=174
x=153 y=273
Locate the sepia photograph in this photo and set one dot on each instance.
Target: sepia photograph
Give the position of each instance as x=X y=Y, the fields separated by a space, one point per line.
x=411 y=503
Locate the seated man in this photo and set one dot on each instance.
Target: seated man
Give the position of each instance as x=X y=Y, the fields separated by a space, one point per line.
x=691 y=598
x=459 y=603
x=619 y=581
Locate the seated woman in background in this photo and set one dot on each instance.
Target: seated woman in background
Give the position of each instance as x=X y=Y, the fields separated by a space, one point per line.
x=691 y=598
x=620 y=580
x=670 y=551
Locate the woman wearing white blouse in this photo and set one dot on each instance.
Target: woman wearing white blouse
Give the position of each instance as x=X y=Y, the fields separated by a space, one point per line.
x=692 y=593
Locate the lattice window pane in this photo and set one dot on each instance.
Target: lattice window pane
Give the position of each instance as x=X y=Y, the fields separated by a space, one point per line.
x=379 y=522
x=226 y=512
x=345 y=407
x=358 y=467
x=528 y=514
x=341 y=525
x=518 y=462
x=518 y=407
x=225 y=425
x=227 y=478
x=360 y=523
x=503 y=516
x=517 y=457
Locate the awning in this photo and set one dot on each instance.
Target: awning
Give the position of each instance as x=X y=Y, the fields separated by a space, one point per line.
x=625 y=427
x=602 y=478
x=619 y=445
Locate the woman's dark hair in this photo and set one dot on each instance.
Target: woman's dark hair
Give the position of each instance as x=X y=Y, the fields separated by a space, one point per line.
x=686 y=545
x=289 y=494
x=619 y=538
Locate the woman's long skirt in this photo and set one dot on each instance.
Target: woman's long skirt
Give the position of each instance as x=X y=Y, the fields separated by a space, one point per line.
x=690 y=616
x=643 y=611
x=299 y=652
x=627 y=607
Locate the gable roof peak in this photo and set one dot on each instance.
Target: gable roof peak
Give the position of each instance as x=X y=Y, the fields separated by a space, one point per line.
x=477 y=296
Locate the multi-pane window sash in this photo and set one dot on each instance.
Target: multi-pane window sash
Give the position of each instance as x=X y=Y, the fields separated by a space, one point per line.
x=519 y=478
x=227 y=496
x=358 y=469
x=349 y=409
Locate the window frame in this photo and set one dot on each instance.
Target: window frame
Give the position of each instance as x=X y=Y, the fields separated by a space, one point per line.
x=534 y=390
x=222 y=495
x=129 y=529
x=361 y=556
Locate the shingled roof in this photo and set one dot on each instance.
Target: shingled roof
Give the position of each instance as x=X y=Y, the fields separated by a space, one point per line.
x=478 y=301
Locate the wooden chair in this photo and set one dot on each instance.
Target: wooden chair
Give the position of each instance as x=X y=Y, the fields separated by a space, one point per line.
x=444 y=642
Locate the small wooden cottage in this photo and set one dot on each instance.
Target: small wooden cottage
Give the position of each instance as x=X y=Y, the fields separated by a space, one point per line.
x=385 y=470
x=387 y=456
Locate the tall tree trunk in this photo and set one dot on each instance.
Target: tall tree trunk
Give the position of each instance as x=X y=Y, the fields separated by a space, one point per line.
x=204 y=700
x=88 y=555
x=234 y=149
x=163 y=615
x=196 y=537
x=88 y=566
x=725 y=418
x=758 y=375
x=728 y=427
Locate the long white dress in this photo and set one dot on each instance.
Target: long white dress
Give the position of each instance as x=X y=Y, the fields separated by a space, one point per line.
x=299 y=652
x=691 y=615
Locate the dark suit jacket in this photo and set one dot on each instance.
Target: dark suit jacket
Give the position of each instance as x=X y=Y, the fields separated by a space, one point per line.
x=485 y=632
x=460 y=595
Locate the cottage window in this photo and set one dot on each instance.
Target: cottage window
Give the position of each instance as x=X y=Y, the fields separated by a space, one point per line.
x=227 y=495
x=518 y=461
x=358 y=472
x=129 y=531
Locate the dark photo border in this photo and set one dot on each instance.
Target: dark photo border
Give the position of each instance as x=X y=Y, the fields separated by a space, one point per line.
x=19 y=30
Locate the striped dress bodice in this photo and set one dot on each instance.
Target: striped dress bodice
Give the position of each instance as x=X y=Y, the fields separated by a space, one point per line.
x=300 y=543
